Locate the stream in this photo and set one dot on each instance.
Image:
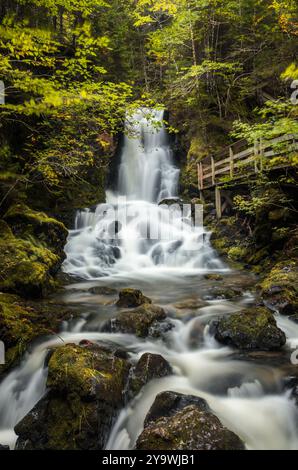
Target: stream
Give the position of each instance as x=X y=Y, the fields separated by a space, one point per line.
x=115 y=246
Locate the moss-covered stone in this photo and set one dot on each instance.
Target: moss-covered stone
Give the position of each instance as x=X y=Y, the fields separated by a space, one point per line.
x=213 y=277
x=279 y=288
x=130 y=298
x=187 y=424
x=86 y=390
x=27 y=223
x=21 y=322
x=137 y=321
x=250 y=329
x=31 y=251
x=26 y=268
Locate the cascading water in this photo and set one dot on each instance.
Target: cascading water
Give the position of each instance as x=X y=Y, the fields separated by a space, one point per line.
x=149 y=239
x=245 y=395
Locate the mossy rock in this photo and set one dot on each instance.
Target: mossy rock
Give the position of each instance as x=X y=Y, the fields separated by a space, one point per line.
x=279 y=288
x=137 y=321
x=27 y=223
x=253 y=329
x=213 y=277
x=188 y=424
x=86 y=391
x=21 y=322
x=130 y=298
x=27 y=268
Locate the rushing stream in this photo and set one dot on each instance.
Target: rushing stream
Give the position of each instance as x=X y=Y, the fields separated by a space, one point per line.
x=169 y=267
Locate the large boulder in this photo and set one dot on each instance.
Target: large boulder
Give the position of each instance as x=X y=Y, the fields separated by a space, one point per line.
x=21 y=322
x=137 y=321
x=86 y=391
x=27 y=267
x=181 y=422
x=149 y=367
x=26 y=222
x=130 y=298
x=249 y=329
x=279 y=288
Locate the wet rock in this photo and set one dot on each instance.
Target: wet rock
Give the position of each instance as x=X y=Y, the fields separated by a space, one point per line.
x=227 y=293
x=181 y=422
x=149 y=367
x=137 y=321
x=196 y=335
x=250 y=329
x=130 y=298
x=21 y=322
x=190 y=304
x=291 y=384
x=213 y=277
x=171 y=201
x=102 y=290
x=279 y=288
x=86 y=391
x=168 y=403
x=159 y=329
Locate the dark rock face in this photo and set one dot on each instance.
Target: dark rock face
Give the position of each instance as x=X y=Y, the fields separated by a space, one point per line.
x=166 y=404
x=86 y=390
x=149 y=367
x=181 y=422
x=171 y=201
x=291 y=383
x=137 y=321
x=131 y=298
x=250 y=329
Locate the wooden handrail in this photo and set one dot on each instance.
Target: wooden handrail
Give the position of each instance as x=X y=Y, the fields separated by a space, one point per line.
x=210 y=167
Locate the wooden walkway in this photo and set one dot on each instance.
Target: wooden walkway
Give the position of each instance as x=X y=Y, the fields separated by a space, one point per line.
x=239 y=160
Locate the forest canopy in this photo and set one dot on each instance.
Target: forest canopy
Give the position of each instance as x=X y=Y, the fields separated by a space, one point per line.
x=226 y=66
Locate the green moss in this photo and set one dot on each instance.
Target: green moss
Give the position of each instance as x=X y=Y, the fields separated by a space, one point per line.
x=5 y=231
x=213 y=277
x=82 y=370
x=36 y=227
x=16 y=328
x=237 y=253
x=250 y=329
x=280 y=287
x=26 y=268
x=137 y=321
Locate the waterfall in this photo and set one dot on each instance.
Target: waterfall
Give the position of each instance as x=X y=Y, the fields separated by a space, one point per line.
x=131 y=234
x=118 y=244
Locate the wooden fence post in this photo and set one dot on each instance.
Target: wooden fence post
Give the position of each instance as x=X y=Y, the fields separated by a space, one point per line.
x=256 y=155
x=213 y=171
x=261 y=154
x=231 y=162
x=218 y=203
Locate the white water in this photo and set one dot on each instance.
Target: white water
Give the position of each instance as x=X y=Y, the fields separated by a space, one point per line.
x=235 y=390
x=245 y=396
x=147 y=176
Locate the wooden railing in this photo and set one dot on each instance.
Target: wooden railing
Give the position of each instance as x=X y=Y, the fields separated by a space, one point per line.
x=239 y=156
